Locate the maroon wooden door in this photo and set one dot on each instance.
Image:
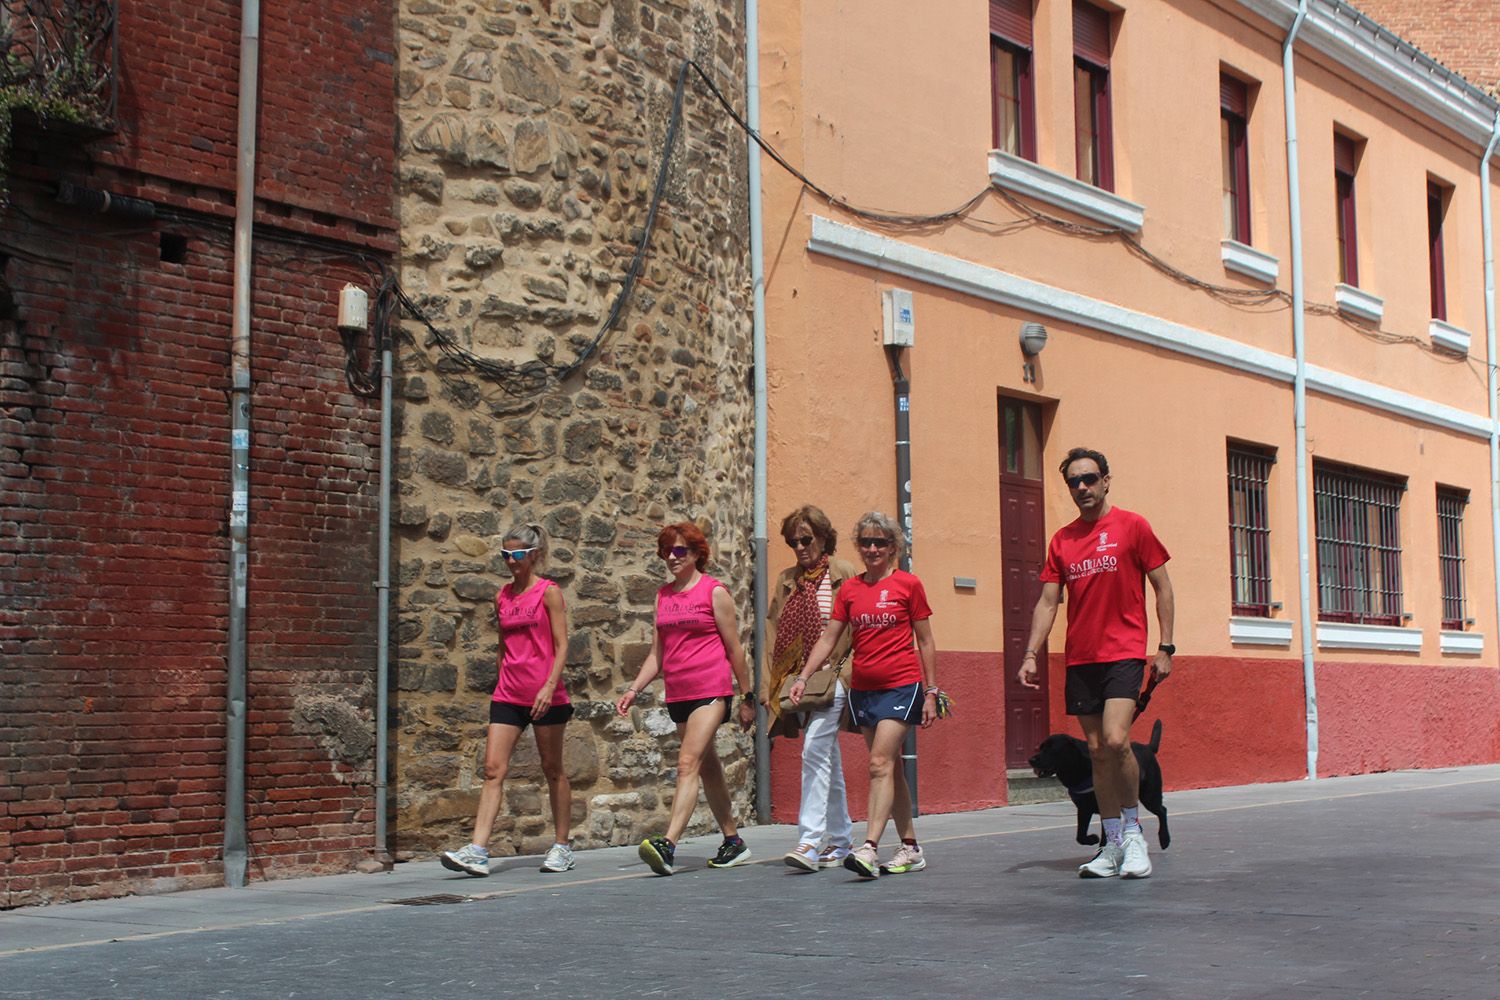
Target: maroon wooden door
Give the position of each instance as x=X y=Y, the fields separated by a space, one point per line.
x=1023 y=548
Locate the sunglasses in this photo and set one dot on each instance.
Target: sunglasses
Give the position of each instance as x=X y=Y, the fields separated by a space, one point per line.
x=675 y=552
x=874 y=543
x=801 y=543
x=516 y=555
x=1087 y=479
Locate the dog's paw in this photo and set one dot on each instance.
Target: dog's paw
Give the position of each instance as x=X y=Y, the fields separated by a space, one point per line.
x=1092 y=838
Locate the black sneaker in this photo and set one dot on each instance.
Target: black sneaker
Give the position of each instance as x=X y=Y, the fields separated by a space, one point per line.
x=732 y=852
x=658 y=853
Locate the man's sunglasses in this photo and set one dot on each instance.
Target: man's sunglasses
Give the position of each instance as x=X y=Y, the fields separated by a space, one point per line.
x=516 y=555
x=675 y=552
x=801 y=543
x=874 y=543
x=1087 y=479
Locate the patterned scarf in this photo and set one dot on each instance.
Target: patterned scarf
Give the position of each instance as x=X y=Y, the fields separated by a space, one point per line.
x=797 y=630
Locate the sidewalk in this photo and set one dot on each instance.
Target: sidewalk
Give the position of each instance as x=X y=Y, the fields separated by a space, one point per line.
x=1298 y=889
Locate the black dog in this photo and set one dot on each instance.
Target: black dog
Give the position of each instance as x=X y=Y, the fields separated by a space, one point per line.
x=1066 y=758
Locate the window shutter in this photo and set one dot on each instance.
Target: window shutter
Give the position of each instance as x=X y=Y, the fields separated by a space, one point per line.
x=1234 y=96
x=1011 y=20
x=1343 y=154
x=1090 y=33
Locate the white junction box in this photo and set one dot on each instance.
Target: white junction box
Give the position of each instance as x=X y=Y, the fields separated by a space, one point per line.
x=900 y=326
x=354 y=309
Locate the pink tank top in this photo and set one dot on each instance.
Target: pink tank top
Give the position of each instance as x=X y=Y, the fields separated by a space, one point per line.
x=526 y=650
x=694 y=663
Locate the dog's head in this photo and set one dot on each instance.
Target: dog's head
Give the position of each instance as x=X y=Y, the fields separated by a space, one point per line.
x=1060 y=756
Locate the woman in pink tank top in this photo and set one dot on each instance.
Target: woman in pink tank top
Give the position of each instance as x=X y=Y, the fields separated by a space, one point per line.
x=529 y=691
x=698 y=653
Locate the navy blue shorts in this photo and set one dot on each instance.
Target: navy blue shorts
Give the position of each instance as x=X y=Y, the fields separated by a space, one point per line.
x=904 y=704
x=1090 y=685
x=506 y=713
x=680 y=710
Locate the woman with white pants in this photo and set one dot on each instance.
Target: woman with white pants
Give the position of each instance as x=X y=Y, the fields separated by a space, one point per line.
x=801 y=603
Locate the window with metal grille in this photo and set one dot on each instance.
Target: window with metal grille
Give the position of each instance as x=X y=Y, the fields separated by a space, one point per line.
x=1249 y=530
x=1450 y=510
x=1359 y=545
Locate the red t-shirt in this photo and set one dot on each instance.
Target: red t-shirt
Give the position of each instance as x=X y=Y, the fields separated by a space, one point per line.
x=1104 y=563
x=881 y=616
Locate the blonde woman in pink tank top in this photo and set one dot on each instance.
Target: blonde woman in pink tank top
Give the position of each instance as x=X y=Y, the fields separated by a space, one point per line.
x=528 y=692
x=697 y=651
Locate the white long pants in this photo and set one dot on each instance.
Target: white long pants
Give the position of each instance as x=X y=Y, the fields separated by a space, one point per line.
x=825 y=807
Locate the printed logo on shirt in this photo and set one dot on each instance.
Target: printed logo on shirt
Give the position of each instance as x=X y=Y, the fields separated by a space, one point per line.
x=1092 y=567
x=885 y=600
x=874 y=621
x=1105 y=543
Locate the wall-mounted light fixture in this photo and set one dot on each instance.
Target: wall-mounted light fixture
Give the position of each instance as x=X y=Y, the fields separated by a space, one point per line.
x=1033 y=339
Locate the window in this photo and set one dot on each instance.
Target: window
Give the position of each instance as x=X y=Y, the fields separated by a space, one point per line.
x=1345 y=153
x=1436 y=200
x=1249 y=530
x=1014 y=108
x=1359 y=545
x=1093 y=142
x=1450 y=511
x=1234 y=111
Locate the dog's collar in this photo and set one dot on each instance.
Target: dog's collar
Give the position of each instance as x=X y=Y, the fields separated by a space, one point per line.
x=1082 y=788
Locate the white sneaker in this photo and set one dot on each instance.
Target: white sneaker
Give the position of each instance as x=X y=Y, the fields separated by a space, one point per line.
x=1137 y=860
x=803 y=856
x=470 y=859
x=1106 y=864
x=559 y=859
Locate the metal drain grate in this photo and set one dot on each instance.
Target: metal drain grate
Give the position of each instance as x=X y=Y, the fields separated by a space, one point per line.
x=440 y=899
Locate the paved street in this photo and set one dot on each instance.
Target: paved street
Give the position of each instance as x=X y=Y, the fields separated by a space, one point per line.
x=1373 y=886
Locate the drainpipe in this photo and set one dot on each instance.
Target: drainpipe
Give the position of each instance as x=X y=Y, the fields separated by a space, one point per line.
x=1489 y=341
x=758 y=340
x=236 y=852
x=1299 y=393
x=383 y=605
x=902 y=386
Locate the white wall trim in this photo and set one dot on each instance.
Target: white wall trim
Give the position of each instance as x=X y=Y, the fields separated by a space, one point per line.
x=1461 y=643
x=892 y=256
x=1352 y=40
x=1384 y=638
x=1448 y=336
x=1359 y=303
x=1248 y=631
x=1021 y=176
x=1244 y=259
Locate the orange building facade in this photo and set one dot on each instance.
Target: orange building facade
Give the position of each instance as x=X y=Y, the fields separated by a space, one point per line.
x=1134 y=159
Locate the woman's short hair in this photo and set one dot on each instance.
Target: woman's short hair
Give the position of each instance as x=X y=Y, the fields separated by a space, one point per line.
x=530 y=535
x=815 y=519
x=886 y=525
x=692 y=537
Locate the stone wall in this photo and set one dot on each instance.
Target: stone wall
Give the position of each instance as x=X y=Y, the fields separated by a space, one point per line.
x=531 y=134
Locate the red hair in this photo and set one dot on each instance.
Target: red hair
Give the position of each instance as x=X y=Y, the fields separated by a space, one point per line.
x=691 y=536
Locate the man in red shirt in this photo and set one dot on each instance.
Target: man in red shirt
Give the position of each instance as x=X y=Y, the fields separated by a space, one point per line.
x=1101 y=558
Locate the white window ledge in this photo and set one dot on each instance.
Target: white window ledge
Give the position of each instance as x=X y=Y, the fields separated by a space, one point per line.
x=1021 y=176
x=1387 y=638
x=1448 y=336
x=1462 y=643
x=1358 y=303
x=1249 y=631
x=1246 y=260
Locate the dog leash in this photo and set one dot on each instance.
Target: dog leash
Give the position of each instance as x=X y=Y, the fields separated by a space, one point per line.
x=1145 y=697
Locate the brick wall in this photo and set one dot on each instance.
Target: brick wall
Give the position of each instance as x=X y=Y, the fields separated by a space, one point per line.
x=114 y=465
x=1463 y=35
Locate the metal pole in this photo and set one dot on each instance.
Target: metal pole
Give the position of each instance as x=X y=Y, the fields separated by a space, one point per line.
x=903 y=513
x=236 y=849
x=383 y=604
x=1488 y=229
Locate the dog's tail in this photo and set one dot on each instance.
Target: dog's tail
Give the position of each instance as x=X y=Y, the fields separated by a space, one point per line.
x=1156 y=736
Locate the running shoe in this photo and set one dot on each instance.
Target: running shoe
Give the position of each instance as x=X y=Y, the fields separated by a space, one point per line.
x=863 y=862
x=803 y=857
x=732 y=852
x=908 y=858
x=559 y=859
x=1105 y=864
x=658 y=853
x=1136 y=860
x=470 y=859
x=833 y=857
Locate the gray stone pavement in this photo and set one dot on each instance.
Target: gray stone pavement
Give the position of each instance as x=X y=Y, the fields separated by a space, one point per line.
x=1365 y=887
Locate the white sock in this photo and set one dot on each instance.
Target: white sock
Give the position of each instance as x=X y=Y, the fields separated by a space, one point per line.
x=1131 y=817
x=560 y=844
x=480 y=848
x=1112 y=832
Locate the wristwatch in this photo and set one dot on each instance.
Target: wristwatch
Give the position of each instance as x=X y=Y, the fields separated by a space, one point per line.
x=1168 y=648
x=747 y=698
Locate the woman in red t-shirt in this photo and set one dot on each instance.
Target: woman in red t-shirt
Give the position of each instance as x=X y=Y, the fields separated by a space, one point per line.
x=893 y=686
